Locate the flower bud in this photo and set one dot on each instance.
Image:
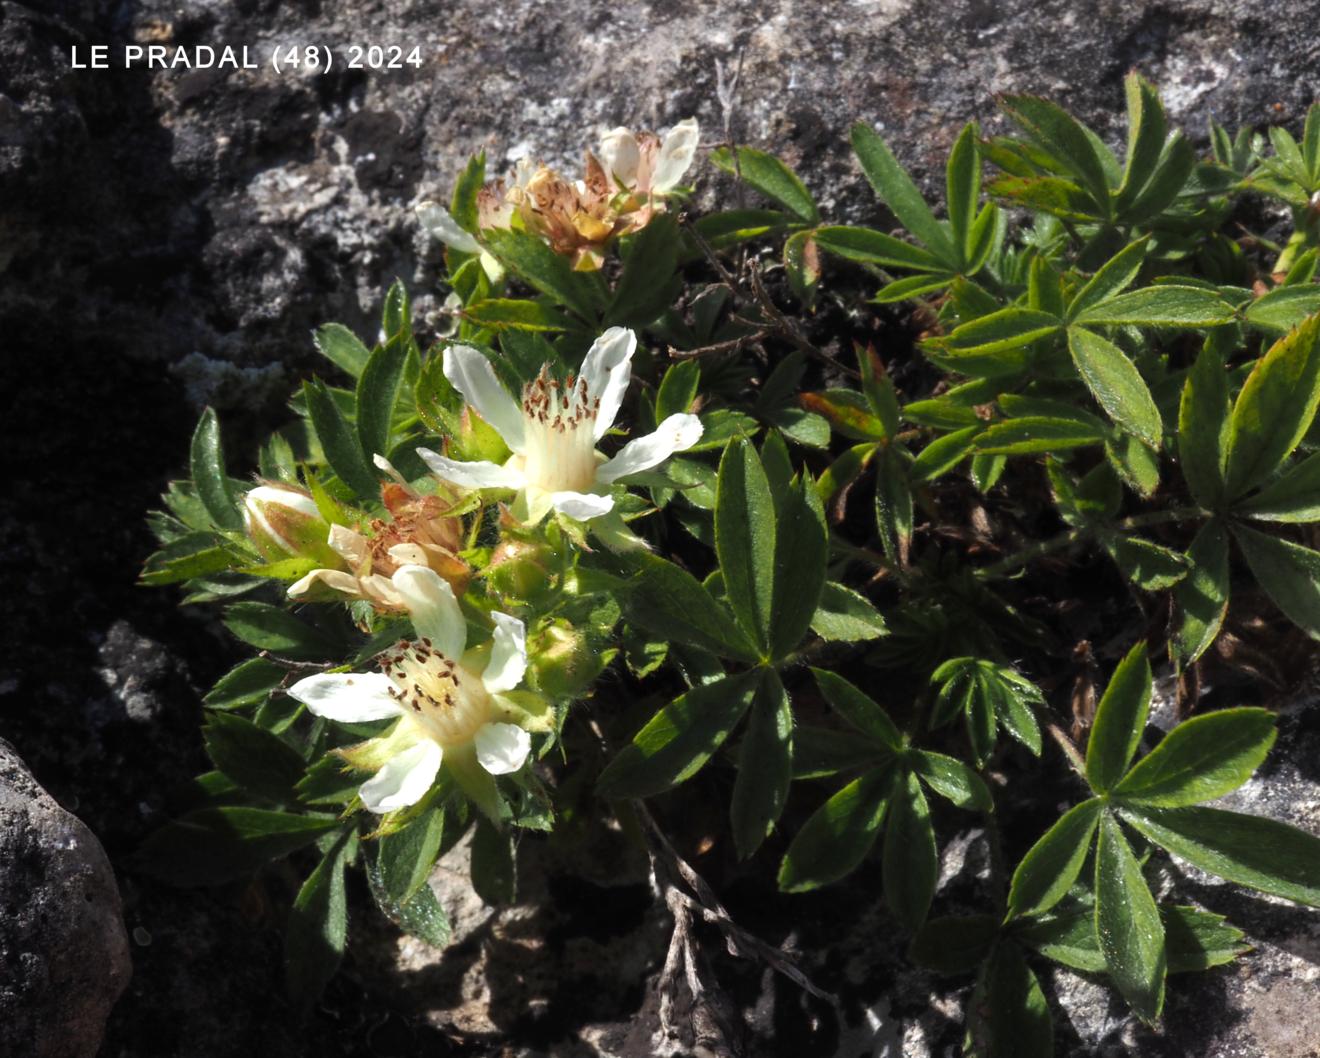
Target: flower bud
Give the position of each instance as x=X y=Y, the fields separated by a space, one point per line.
x=283 y=521
x=519 y=568
x=564 y=661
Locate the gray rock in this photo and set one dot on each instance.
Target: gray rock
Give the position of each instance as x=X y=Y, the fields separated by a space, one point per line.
x=63 y=950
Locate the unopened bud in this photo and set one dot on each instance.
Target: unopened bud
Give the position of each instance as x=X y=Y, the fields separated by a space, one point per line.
x=519 y=568
x=283 y=521
x=564 y=661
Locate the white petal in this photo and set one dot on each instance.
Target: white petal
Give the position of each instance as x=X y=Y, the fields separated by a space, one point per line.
x=581 y=505
x=471 y=374
x=404 y=780
x=508 y=655
x=475 y=475
x=676 y=154
x=620 y=155
x=676 y=434
x=332 y=579
x=438 y=221
x=349 y=697
x=502 y=748
x=607 y=369
x=298 y=501
x=434 y=610
x=408 y=554
x=349 y=545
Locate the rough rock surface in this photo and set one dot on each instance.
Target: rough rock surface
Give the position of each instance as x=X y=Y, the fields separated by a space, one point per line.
x=169 y=237
x=63 y=950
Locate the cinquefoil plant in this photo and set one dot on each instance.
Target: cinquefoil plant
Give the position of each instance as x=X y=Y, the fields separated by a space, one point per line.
x=832 y=562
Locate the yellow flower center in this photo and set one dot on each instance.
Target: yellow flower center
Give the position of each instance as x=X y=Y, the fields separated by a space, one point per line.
x=560 y=451
x=448 y=702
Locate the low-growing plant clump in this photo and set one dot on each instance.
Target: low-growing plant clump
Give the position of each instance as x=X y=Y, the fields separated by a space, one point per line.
x=848 y=518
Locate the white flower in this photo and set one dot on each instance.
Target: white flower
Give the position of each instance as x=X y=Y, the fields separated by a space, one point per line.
x=446 y=708
x=648 y=166
x=281 y=520
x=553 y=433
x=440 y=222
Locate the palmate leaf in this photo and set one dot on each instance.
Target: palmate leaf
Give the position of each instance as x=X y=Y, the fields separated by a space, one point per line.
x=745 y=540
x=911 y=861
x=770 y=176
x=1116 y=384
x=1052 y=865
x=1203 y=594
x=892 y=183
x=1203 y=428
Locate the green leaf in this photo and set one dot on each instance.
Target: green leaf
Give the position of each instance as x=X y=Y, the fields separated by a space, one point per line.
x=1289 y=573
x=910 y=287
x=342 y=448
x=207 y=464
x=1050 y=867
x=1127 y=924
x=802 y=266
x=405 y=857
x=954 y=944
x=1166 y=305
x=533 y=261
x=678 y=389
x=875 y=247
x=844 y=616
x=215 y=845
x=420 y=916
x=1203 y=594
x=1201 y=759
x=1147 y=129
x=252 y=757
x=1116 y=384
x=963 y=184
x=893 y=505
x=1274 y=409
x=668 y=601
x=341 y=347
x=1120 y=719
x=1203 y=428
x=1147 y=564
x=1055 y=130
x=943 y=454
x=1115 y=276
x=1283 y=308
x=1006 y=329
x=858 y=709
x=680 y=738
x=494 y=874
x=745 y=540
x=768 y=175
x=463 y=205
x=377 y=393
x=318 y=926
x=247 y=683
x=952 y=779
x=1031 y=434
x=514 y=313
x=1250 y=850
x=1294 y=496
x=396 y=317
x=1198 y=940
x=911 y=862
x=1008 y=1015
x=765 y=765
x=838 y=835
x=644 y=288
x=801 y=548
x=900 y=194
x=270 y=628
x=730 y=227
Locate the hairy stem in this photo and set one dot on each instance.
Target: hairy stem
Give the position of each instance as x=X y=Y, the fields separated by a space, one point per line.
x=1068 y=538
